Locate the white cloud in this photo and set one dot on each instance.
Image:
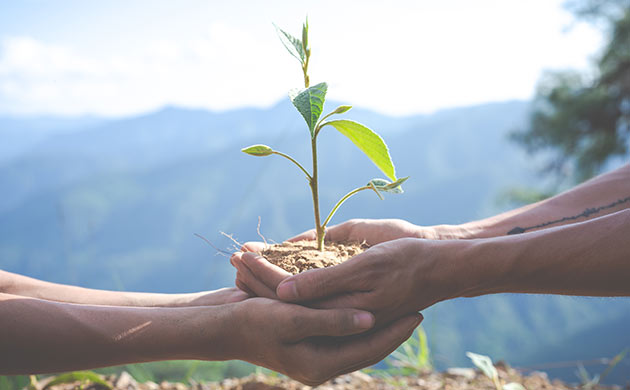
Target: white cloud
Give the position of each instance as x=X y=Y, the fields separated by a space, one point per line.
x=414 y=58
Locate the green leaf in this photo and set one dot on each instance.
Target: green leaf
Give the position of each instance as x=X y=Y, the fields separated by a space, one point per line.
x=258 y=150
x=369 y=142
x=305 y=35
x=293 y=45
x=341 y=110
x=81 y=376
x=387 y=186
x=310 y=103
x=484 y=363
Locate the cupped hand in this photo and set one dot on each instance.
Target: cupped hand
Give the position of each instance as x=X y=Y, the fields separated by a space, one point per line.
x=310 y=345
x=389 y=279
x=372 y=231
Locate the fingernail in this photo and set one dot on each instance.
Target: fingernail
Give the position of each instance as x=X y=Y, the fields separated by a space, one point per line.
x=363 y=320
x=287 y=290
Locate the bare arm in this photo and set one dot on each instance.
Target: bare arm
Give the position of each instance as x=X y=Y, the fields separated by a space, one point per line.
x=585 y=258
x=590 y=258
x=15 y=284
x=602 y=195
x=40 y=336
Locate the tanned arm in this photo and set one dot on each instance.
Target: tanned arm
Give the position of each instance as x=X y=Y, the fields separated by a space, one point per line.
x=40 y=336
x=392 y=278
x=602 y=195
x=15 y=284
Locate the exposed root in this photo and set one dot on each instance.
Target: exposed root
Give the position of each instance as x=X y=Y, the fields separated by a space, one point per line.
x=260 y=234
x=238 y=246
x=220 y=251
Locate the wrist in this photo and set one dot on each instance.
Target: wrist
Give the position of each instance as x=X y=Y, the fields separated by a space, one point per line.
x=487 y=265
x=456 y=268
x=211 y=333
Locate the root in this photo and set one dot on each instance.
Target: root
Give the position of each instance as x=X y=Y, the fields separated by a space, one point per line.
x=238 y=246
x=220 y=251
x=260 y=234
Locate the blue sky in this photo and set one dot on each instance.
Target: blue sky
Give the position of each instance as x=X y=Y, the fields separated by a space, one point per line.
x=118 y=58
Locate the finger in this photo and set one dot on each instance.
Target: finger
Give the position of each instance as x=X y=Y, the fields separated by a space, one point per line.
x=359 y=352
x=333 y=322
x=270 y=274
x=358 y=300
x=318 y=283
x=241 y=286
x=254 y=246
x=245 y=276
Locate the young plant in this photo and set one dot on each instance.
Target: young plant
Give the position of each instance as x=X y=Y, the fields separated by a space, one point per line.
x=484 y=363
x=310 y=103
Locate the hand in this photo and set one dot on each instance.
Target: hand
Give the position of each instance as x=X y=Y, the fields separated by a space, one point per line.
x=372 y=231
x=307 y=344
x=389 y=279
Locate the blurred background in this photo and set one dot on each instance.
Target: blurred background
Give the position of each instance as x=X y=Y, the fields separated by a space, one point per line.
x=121 y=124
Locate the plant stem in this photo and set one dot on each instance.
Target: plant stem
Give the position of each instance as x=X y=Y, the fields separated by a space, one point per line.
x=308 y=176
x=348 y=195
x=305 y=71
x=314 y=190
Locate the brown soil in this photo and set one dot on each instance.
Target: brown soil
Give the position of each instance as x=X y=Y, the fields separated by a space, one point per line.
x=453 y=379
x=296 y=257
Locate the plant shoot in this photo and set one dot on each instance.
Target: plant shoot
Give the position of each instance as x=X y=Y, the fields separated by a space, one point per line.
x=309 y=102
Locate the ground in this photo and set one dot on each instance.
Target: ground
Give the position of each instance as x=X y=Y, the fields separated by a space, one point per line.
x=452 y=379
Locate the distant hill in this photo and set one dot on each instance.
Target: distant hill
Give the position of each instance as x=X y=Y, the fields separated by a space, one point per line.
x=114 y=204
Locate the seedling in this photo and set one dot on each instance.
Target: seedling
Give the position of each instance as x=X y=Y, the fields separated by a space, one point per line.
x=484 y=363
x=310 y=103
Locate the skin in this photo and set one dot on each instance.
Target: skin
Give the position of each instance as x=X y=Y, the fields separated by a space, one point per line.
x=411 y=267
x=44 y=334
x=15 y=284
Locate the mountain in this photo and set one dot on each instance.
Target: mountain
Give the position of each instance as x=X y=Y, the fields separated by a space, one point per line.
x=114 y=204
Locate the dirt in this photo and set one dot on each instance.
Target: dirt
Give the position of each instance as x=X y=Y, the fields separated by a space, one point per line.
x=296 y=257
x=452 y=379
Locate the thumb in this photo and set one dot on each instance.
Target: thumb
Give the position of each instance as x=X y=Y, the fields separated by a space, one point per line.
x=315 y=284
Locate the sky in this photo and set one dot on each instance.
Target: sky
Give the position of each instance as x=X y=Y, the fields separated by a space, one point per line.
x=124 y=57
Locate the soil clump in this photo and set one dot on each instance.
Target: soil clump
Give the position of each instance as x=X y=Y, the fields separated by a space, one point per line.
x=296 y=257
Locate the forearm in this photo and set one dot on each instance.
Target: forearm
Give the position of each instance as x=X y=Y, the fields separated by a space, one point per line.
x=590 y=258
x=38 y=336
x=14 y=284
x=605 y=194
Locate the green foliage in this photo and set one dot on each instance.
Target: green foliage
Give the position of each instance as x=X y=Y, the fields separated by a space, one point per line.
x=385 y=186
x=368 y=142
x=258 y=150
x=310 y=103
x=579 y=120
x=484 y=363
x=182 y=370
x=85 y=377
x=293 y=45
x=413 y=356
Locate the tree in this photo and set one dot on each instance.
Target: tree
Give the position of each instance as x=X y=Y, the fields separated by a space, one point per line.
x=581 y=121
